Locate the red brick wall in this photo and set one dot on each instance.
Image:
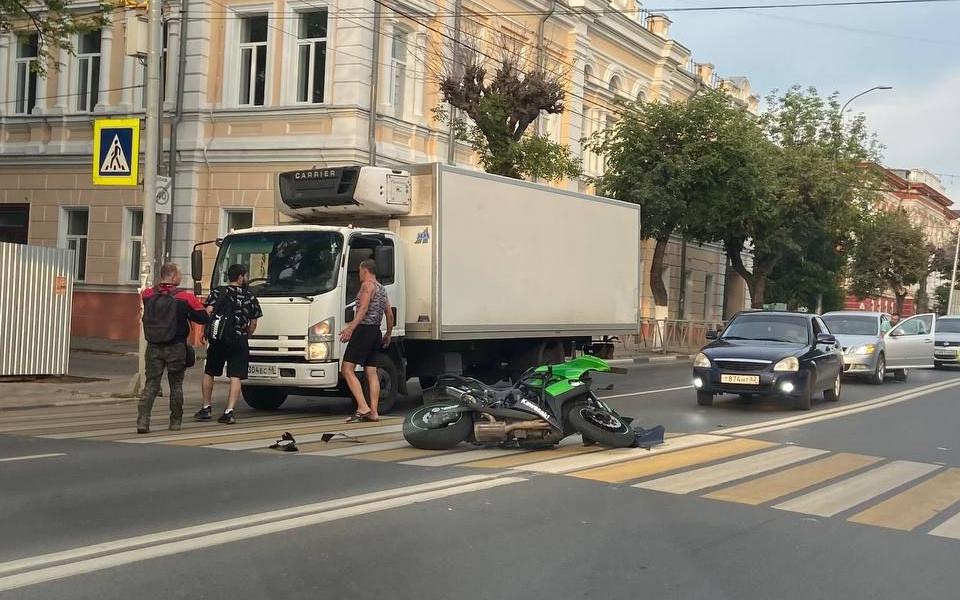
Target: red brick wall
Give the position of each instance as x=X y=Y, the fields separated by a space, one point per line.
x=109 y=315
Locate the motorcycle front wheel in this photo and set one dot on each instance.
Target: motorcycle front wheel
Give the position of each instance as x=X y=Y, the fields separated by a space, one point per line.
x=601 y=426
x=437 y=427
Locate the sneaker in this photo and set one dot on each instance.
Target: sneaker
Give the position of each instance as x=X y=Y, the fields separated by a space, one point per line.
x=143 y=429
x=227 y=418
x=204 y=414
x=175 y=425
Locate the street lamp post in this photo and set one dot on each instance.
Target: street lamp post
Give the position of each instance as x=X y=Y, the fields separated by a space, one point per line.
x=843 y=108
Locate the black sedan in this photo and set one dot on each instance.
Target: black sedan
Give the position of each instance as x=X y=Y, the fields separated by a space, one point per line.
x=785 y=354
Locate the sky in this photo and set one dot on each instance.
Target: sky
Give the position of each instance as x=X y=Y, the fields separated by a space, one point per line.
x=914 y=48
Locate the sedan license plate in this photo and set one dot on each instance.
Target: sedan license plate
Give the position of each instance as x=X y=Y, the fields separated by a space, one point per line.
x=262 y=371
x=740 y=379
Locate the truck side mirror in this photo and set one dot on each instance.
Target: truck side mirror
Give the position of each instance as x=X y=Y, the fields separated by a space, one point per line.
x=196 y=265
x=383 y=256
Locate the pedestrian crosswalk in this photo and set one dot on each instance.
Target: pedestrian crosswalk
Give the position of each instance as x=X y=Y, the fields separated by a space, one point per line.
x=867 y=490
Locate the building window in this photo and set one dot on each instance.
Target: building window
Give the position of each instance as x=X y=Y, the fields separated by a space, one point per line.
x=88 y=71
x=312 y=56
x=615 y=85
x=398 y=69
x=133 y=238
x=253 y=60
x=14 y=223
x=26 y=74
x=76 y=221
x=235 y=218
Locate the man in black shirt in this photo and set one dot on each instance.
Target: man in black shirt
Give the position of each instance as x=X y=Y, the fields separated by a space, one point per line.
x=233 y=351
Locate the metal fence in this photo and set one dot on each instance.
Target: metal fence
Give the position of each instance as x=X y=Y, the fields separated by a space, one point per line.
x=36 y=292
x=671 y=335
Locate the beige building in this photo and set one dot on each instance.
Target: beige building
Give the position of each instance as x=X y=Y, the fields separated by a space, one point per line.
x=271 y=86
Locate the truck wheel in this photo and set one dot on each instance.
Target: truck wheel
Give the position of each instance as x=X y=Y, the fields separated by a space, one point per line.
x=264 y=398
x=389 y=376
x=705 y=398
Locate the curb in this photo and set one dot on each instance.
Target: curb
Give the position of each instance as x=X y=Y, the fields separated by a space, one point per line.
x=87 y=402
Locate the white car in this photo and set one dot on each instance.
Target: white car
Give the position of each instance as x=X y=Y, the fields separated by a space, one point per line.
x=947 y=345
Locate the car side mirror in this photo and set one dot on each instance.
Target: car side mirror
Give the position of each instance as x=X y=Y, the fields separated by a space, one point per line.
x=826 y=338
x=712 y=335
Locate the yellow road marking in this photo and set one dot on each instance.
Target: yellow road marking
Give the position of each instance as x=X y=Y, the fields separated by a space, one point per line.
x=398 y=454
x=792 y=480
x=670 y=461
x=526 y=458
x=914 y=507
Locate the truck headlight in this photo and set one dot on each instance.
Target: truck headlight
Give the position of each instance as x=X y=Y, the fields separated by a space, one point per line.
x=863 y=350
x=322 y=331
x=789 y=364
x=701 y=361
x=318 y=351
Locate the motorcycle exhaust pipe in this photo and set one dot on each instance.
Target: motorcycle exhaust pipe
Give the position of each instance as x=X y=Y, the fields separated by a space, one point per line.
x=538 y=424
x=497 y=431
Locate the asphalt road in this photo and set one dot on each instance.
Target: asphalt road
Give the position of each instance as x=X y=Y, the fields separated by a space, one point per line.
x=857 y=499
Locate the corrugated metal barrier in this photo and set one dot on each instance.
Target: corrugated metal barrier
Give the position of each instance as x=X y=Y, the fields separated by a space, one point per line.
x=36 y=293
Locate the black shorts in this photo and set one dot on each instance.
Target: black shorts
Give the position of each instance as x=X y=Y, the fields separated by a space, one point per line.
x=236 y=357
x=364 y=344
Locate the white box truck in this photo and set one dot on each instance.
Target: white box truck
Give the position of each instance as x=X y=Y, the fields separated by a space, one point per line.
x=488 y=275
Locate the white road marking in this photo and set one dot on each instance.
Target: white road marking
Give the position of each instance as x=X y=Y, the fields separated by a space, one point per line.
x=359 y=449
x=840 y=411
x=234 y=535
x=706 y=477
x=949 y=528
x=646 y=392
x=307 y=437
x=31 y=457
x=457 y=458
x=569 y=464
x=333 y=426
x=116 y=546
x=850 y=492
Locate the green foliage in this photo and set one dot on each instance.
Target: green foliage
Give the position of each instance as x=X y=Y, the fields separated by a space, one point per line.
x=799 y=279
x=501 y=109
x=686 y=164
x=54 y=24
x=890 y=254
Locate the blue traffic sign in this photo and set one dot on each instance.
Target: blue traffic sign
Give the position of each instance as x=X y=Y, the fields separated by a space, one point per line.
x=116 y=151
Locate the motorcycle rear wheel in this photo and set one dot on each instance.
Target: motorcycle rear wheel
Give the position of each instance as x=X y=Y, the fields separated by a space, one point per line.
x=420 y=433
x=600 y=426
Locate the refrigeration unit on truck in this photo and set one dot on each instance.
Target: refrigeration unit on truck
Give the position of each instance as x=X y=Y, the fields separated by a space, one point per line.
x=487 y=276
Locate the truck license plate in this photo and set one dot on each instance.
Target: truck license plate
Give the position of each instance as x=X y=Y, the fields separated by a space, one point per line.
x=740 y=379
x=262 y=371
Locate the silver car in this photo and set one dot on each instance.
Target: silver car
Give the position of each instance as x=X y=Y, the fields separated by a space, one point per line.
x=947 y=347
x=873 y=346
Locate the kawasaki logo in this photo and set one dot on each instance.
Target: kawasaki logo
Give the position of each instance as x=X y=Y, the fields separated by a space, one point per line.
x=536 y=409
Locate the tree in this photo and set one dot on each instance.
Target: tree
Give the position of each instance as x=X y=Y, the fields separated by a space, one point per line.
x=890 y=254
x=501 y=104
x=685 y=163
x=820 y=186
x=53 y=23
x=802 y=279
x=937 y=262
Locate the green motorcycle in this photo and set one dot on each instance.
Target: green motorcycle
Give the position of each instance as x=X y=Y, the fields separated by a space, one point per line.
x=545 y=405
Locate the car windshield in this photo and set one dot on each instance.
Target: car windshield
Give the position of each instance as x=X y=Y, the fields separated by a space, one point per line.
x=948 y=326
x=770 y=328
x=283 y=263
x=852 y=324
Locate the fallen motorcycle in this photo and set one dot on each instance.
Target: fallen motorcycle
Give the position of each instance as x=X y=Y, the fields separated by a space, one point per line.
x=545 y=405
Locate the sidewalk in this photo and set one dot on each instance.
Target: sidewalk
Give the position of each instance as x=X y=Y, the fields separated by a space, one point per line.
x=626 y=353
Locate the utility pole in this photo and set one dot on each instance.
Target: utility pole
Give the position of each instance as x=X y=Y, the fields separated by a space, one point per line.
x=151 y=145
x=374 y=85
x=953 y=279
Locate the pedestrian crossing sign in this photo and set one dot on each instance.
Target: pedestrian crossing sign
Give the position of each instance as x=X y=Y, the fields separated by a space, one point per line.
x=116 y=151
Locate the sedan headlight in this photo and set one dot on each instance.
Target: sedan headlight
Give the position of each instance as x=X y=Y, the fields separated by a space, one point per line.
x=701 y=361
x=863 y=350
x=789 y=364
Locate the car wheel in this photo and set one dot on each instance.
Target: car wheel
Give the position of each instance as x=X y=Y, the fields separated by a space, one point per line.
x=803 y=401
x=937 y=364
x=705 y=398
x=900 y=374
x=880 y=373
x=833 y=394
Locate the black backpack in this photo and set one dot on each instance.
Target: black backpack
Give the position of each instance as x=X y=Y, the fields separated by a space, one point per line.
x=222 y=326
x=161 y=316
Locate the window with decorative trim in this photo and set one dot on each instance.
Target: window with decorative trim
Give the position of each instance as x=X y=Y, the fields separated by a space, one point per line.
x=253 y=60
x=88 y=70
x=311 y=56
x=399 y=72
x=26 y=64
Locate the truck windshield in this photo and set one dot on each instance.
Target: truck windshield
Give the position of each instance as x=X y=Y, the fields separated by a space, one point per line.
x=283 y=263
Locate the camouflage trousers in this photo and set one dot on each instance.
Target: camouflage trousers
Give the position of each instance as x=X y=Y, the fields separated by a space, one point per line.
x=160 y=357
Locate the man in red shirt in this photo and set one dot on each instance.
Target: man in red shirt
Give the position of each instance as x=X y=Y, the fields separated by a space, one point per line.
x=168 y=324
